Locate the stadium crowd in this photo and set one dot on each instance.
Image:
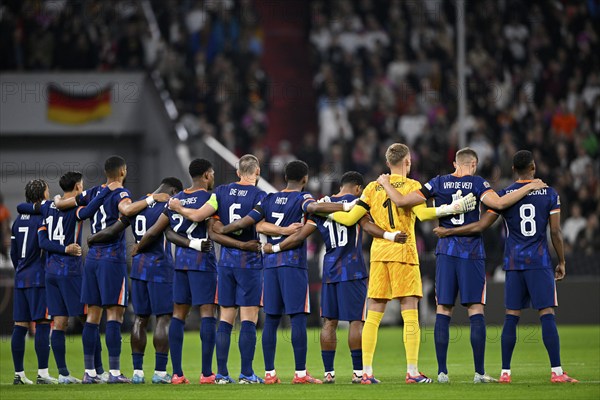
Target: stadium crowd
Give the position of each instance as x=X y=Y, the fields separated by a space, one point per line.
x=384 y=72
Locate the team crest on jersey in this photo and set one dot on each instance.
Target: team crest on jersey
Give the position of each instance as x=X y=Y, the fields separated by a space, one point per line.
x=307 y=196
x=486 y=184
x=428 y=186
x=123 y=194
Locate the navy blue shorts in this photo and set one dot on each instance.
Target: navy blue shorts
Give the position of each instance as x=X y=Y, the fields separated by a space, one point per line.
x=151 y=298
x=242 y=287
x=534 y=288
x=454 y=275
x=345 y=301
x=30 y=304
x=63 y=295
x=104 y=283
x=194 y=287
x=286 y=291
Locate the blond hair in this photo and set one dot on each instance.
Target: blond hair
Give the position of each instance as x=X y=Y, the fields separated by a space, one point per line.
x=396 y=153
x=248 y=164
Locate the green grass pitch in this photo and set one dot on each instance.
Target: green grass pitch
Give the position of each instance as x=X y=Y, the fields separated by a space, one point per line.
x=580 y=357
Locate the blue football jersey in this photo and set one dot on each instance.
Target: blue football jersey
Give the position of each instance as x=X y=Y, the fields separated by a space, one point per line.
x=235 y=201
x=106 y=215
x=63 y=228
x=27 y=257
x=526 y=245
x=444 y=190
x=283 y=209
x=155 y=264
x=186 y=258
x=343 y=259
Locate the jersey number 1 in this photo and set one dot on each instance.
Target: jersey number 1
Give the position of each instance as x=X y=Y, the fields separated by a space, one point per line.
x=388 y=204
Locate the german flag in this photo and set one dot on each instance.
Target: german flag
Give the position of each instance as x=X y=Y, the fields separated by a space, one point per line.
x=69 y=108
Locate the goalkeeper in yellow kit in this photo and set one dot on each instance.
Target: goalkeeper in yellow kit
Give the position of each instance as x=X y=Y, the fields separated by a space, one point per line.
x=395 y=270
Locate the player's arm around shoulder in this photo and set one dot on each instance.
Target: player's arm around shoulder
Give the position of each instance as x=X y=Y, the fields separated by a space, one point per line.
x=491 y=199
x=410 y=199
x=470 y=229
x=196 y=215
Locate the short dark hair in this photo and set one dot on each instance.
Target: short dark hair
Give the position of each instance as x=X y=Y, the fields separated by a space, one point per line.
x=522 y=160
x=34 y=190
x=296 y=170
x=173 y=182
x=113 y=164
x=354 y=178
x=198 y=167
x=68 y=181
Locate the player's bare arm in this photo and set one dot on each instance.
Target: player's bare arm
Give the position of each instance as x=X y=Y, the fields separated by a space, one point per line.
x=328 y=208
x=228 y=241
x=153 y=233
x=202 y=245
x=129 y=208
x=470 y=229
x=110 y=233
x=375 y=231
x=269 y=229
x=234 y=226
x=196 y=215
x=408 y=200
x=557 y=243
x=291 y=242
x=492 y=200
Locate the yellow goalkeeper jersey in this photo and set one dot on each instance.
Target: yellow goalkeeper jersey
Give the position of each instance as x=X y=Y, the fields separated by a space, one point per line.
x=392 y=218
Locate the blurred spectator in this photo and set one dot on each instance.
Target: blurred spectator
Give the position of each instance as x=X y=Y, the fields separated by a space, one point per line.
x=574 y=224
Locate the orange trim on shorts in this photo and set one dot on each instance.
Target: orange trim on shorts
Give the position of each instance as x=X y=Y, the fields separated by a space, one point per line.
x=121 y=300
x=217 y=294
x=307 y=301
x=484 y=293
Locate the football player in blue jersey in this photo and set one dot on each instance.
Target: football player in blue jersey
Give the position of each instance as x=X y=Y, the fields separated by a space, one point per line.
x=105 y=268
x=64 y=268
x=460 y=260
x=195 y=277
x=344 y=287
x=240 y=277
x=29 y=294
x=530 y=275
x=285 y=273
x=151 y=283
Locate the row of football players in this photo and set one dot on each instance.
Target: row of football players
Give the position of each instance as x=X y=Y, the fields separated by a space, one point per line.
x=394 y=268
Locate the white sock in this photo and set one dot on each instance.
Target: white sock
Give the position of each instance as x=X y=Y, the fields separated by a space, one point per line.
x=272 y=373
x=115 y=372
x=162 y=374
x=91 y=372
x=20 y=373
x=138 y=372
x=358 y=372
x=368 y=369
x=43 y=372
x=557 y=370
x=505 y=371
x=301 y=374
x=330 y=372
x=412 y=370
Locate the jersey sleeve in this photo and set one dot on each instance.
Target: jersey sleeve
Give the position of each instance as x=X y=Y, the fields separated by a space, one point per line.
x=47 y=244
x=14 y=255
x=85 y=212
x=307 y=198
x=257 y=212
x=367 y=196
x=123 y=194
x=555 y=203
x=29 y=208
x=84 y=197
x=430 y=188
x=482 y=188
